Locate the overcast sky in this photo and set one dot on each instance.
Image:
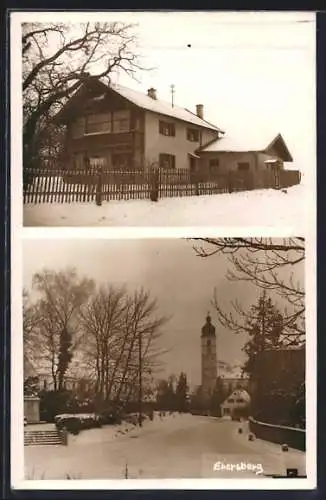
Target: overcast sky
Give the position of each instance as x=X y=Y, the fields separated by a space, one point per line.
x=182 y=282
x=250 y=70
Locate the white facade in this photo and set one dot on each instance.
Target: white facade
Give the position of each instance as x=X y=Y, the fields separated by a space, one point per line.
x=177 y=145
x=237 y=400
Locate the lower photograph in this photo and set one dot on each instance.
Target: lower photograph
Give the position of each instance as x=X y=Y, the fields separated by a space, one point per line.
x=164 y=358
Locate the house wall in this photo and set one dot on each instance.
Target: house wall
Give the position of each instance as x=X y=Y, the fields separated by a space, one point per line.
x=228 y=407
x=228 y=161
x=107 y=144
x=262 y=173
x=156 y=143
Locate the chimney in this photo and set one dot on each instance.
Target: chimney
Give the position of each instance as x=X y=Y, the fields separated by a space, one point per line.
x=200 y=111
x=152 y=93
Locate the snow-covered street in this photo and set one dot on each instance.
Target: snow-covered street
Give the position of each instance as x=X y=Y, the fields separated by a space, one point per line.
x=179 y=446
x=268 y=207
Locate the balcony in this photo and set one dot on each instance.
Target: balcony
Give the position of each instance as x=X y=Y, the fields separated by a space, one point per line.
x=101 y=139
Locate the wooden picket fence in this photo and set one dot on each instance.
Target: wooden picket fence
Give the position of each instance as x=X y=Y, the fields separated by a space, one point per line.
x=50 y=185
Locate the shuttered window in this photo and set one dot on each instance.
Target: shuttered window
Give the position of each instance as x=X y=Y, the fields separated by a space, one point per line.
x=99 y=123
x=167 y=161
x=167 y=128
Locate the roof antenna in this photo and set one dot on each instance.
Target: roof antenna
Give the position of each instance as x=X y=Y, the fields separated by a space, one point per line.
x=172 y=87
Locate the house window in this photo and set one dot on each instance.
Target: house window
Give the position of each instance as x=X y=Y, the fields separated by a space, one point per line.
x=121 y=121
x=243 y=166
x=80 y=160
x=78 y=128
x=122 y=160
x=97 y=161
x=231 y=400
x=98 y=123
x=167 y=128
x=167 y=161
x=239 y=400
x=193 y=135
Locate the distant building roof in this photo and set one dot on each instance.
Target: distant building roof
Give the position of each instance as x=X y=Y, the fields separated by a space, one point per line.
x=162 y=107
x=238 y=394
x=260 y=141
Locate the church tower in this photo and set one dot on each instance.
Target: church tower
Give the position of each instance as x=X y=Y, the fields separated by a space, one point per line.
x=208 y=358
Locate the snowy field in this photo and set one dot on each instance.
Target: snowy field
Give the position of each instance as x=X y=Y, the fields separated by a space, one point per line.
x=266 y=207
x=179 y=446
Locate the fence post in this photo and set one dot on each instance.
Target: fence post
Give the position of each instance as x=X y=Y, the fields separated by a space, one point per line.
x=98 y=195
x=155 y=184
x=194 y=179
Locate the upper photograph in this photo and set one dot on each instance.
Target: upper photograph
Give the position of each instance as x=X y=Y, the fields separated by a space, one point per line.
x=164 y=119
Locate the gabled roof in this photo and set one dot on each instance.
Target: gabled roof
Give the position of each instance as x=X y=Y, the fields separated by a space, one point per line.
x=143 y=101
x=238 y=393
x=244 y=142
x=162 y=107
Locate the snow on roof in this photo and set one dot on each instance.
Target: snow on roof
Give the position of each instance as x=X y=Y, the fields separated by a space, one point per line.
x=162 y=107
x=234 y=376
x=244 y=140
x=273 y=160
x=238 y=393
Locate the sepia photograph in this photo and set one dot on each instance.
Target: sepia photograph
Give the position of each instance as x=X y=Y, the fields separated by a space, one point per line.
x=164 y=358
x=163 y=267
x=164 y=118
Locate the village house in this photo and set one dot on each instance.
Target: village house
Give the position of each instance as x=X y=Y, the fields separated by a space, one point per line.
x=124 y=129
x=237 y=400
x=259 y=155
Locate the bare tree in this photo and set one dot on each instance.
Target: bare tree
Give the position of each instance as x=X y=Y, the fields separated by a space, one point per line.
x=57 y=59
x=61 y=297
x=102 y=320
x=121 y=333
x=269 y=264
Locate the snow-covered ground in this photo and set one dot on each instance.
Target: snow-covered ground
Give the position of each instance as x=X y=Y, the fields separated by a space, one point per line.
x=268 y=207
x=179 y=446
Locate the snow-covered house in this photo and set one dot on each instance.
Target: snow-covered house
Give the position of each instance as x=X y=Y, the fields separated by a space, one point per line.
x=259 y=153
x=126 y=128
x=237 y=400
x=122 y=128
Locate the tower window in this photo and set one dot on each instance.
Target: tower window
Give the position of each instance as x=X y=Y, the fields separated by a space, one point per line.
x=209 y=343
